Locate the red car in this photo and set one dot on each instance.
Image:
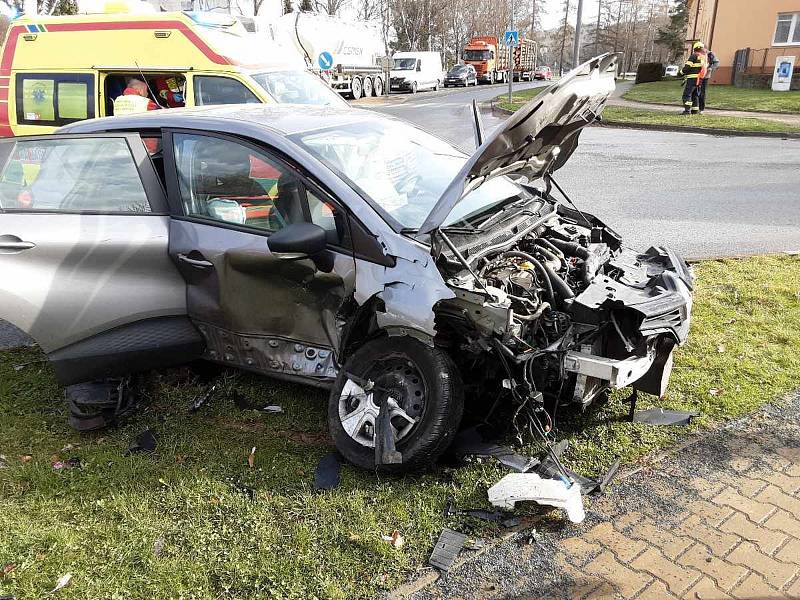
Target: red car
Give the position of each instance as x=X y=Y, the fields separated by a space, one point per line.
x=545 y=73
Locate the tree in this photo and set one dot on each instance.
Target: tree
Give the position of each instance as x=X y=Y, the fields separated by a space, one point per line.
x=330 y=7
x=672 y=36
x=563 y=38
x=287 y=7
x=305 y=6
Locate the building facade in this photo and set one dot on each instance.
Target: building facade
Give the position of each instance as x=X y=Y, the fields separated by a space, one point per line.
x=746 y=35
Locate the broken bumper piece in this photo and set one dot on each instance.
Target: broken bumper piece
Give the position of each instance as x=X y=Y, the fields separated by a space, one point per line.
x=518 y=487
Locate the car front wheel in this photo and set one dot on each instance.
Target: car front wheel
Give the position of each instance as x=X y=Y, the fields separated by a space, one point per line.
x=427 y=406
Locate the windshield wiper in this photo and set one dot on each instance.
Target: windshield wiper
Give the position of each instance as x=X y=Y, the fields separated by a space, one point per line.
x=461 y=229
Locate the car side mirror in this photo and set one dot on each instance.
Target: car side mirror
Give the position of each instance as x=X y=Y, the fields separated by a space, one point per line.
x=419 y=66
x=297 y=241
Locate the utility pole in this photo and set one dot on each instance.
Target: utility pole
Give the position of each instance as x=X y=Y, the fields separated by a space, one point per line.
x=510 y=70
x=576 y=48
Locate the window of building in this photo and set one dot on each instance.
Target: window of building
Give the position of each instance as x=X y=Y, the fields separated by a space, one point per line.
x=50 y=99
x=787 y=29
x=70 y=175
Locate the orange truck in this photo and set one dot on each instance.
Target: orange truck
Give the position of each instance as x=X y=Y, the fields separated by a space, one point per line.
x=490 y=58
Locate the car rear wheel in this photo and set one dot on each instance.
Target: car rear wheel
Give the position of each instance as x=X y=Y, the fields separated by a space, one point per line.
x=413 y=87
x=426 y=386
x=356 y=88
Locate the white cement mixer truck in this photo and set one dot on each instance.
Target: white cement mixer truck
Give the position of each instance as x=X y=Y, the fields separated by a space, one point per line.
x=347 y=54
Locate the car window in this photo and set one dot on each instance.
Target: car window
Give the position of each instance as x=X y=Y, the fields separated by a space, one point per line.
x=221 y=90
x=229 y=182
x=70 y=175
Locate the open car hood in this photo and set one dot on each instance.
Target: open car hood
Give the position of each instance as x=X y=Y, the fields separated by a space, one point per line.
x=538 y=138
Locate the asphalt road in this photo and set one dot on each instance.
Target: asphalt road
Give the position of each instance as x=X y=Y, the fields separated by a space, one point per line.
x=704 y=195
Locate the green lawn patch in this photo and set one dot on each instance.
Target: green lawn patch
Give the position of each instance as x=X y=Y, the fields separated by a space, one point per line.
x=194 y=520
x=623 y=114
x=719 y=96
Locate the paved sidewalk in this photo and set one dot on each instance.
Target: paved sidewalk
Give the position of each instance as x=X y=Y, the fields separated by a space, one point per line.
x=718 y=518
x=618 y=100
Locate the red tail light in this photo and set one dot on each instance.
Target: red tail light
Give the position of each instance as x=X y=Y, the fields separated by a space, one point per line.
x=25 y=199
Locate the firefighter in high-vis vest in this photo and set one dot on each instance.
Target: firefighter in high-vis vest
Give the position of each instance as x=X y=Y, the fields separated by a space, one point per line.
x=134 y=99
x=694 y=71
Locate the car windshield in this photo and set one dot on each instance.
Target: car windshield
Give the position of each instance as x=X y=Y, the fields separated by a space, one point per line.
x=298 y=87
x=476 y=55
x=403 y=170
x=405 y=64
x=458 y=70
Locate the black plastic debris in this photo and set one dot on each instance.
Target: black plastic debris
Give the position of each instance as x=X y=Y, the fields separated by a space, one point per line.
x=326 y=475
x=240 y=401
x=385 y=450
x=548 y=469
x=469 y=442
x=447 y=548
x=97 y=404
x=493 y=516
x=202 y=398
x=659 y=416
x=144 y=442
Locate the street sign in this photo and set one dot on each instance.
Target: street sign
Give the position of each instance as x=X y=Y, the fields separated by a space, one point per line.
x=511 y=38
x=325 y=60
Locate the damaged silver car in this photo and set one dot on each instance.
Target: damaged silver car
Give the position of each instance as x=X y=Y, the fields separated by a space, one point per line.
x=339 y=248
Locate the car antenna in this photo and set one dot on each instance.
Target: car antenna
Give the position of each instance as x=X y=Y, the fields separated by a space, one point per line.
x=476 y=115
x=567 y=198
x=149 y=89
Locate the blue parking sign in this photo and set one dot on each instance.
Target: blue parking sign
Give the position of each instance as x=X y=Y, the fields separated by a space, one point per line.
x=511 y=38
x=325 y=60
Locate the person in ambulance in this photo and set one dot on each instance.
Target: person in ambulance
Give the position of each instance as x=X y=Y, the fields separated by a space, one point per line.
x=134 y=99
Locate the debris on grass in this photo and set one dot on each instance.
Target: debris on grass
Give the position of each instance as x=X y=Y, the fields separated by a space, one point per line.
x=271 y=409
x=447 y=549
x=158 y=546
x=518 y=487
x=659 y=416
x=144 y=442
x=326 y=475
x=469 y=442
x=396 y=540
x=7 y=569
x=251 y=458
x=62 y=582
x=202 y=398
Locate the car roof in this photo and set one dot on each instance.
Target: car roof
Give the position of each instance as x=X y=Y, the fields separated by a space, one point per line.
x=286 y=119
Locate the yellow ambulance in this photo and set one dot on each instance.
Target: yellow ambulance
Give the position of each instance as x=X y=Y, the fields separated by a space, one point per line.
x=58 y=70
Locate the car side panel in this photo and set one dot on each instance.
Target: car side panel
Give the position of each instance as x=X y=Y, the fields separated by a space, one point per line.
x=86 y=274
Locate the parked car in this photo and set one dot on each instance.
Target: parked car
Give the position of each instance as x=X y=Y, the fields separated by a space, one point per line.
x=339 y=248
x=544 y=73
x=461 y=75
x=671 y=71
x=416 y=71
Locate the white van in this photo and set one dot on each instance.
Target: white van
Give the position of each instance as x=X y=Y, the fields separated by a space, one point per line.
x=414 y=71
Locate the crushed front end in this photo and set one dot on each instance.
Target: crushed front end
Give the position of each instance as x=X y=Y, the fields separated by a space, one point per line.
x=551 y=308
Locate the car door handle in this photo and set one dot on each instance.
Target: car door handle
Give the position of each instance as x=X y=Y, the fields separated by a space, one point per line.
x=196 y=262
x=11 y=243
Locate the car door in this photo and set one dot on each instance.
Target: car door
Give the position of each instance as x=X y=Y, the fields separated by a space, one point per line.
x=256 y=310
x=84 y=268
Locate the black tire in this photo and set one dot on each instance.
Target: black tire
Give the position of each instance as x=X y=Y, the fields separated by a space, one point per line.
x=440 y=417
x=413 y=87
x=377 y=87
x=367 y=87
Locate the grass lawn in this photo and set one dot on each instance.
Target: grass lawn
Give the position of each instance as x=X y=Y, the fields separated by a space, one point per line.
x=719 y=96
x=623 y=114
x=194 y=520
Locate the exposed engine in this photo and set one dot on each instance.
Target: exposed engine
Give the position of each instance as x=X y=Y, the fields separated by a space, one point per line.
x=568 y=314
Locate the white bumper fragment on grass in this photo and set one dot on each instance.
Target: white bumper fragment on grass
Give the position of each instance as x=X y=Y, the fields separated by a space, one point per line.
x=517 y=487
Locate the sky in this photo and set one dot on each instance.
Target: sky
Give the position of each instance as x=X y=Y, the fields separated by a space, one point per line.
x=555 y=12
